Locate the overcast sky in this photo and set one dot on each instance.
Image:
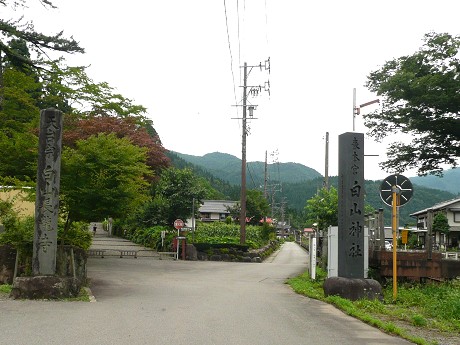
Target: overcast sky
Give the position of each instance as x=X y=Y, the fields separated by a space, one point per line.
x=173 y=57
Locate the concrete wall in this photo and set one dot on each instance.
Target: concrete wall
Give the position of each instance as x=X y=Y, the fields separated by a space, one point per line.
x=23 y=207
x=414 y=265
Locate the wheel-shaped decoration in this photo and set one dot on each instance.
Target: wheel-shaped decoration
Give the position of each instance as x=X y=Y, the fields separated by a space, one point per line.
x=403 y=188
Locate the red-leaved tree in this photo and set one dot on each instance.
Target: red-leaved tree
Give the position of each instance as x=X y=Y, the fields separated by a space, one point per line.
x=141 y=133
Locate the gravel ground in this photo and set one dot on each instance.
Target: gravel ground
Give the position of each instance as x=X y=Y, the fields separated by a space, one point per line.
x=432 y=335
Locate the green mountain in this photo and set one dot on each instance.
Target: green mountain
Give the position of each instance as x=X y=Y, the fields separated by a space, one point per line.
x=450 y=181
x=228 y=168
x=229 y=192
x=292 y=184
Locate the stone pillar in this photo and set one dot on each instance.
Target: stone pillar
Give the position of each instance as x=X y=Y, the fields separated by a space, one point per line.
x=351 y=206
x=351 y=282
x=47 y=193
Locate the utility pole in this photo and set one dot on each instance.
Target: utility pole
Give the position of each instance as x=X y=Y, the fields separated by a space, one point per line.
x=1 y=82
x=243 y=161
x=253 y=90
x=326 y=164
x=265 y=176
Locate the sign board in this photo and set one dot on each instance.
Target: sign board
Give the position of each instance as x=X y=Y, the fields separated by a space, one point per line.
x=179 y=224
x=312 y=256
x=404 y=235
x=403 y=185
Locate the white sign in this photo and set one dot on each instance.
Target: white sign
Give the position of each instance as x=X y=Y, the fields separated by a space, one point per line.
x=312 y=256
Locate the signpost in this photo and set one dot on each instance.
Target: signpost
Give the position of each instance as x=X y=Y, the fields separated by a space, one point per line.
x=395 y=191
x=178 y=224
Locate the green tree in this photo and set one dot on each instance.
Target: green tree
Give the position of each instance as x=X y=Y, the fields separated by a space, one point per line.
x=172 y=197
x=103 y=176
x=323 y=208
x=131 y=127
x=37 y=43
x=441 y=223
x=420 y=97
x=19 y=117
x=257 y=206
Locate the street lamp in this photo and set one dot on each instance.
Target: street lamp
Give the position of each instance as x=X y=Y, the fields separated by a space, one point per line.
x=356 y=110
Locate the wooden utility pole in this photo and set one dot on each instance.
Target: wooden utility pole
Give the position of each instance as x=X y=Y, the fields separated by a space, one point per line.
x=326 y=164
x=265 y=176
x=254 y=90
x=243 y=161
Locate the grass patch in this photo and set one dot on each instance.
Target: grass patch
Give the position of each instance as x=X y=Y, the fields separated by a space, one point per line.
x=83 y=295
x=5 y=288
x=418 y=310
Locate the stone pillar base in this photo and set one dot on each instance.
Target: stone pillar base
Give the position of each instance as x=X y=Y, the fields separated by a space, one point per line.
x=353 y=288
x=45 y=287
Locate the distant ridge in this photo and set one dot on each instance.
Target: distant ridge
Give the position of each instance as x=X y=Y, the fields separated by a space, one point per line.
x=228 y=168
x=450 y=181
x=295 y=194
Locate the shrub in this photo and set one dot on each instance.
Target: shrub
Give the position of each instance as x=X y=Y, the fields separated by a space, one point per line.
x=219 y=232
x=18 y=232
x=151 y=237
x=78 y=235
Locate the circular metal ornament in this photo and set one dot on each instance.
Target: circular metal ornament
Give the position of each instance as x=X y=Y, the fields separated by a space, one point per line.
x=404 y=189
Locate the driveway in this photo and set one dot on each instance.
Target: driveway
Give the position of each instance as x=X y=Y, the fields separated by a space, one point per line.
x=151 y=301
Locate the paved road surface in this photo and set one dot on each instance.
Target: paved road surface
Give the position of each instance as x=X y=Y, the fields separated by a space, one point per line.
x=150 y=301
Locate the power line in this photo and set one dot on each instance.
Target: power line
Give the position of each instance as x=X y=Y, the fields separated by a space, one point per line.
x=239 y=41
x=231 y=55
x=266 y=24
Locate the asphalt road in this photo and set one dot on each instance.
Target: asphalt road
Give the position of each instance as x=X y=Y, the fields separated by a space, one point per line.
x=150 y=301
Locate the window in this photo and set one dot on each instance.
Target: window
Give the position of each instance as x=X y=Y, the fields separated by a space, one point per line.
x=456 y=217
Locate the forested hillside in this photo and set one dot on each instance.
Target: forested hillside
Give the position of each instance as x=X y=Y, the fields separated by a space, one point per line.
x=450 y=181
x=295 y=195
x=228 y=168
x=229 y=192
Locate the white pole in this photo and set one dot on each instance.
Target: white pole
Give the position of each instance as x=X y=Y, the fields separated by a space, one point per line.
x=354 y=107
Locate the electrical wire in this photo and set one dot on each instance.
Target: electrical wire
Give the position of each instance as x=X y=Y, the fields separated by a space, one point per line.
x=231 y=55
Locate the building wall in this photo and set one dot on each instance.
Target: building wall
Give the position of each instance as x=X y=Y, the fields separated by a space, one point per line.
x=455 y=222
x=17 y=196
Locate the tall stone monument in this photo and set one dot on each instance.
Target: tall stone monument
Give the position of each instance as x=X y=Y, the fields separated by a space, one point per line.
x=350 y=282
x=57 y=272
x=47 y=194
x=351 y=206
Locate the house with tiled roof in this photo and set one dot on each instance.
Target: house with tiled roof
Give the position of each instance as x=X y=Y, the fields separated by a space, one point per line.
x=451 y=209
x=215 y=210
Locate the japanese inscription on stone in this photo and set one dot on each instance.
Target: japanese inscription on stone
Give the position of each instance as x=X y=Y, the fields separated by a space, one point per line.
x=47 y=194
x=351 y=206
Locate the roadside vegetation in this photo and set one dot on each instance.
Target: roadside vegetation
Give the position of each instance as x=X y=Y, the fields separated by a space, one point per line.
x=423 y=314
x=83 y=296
x=214 y=233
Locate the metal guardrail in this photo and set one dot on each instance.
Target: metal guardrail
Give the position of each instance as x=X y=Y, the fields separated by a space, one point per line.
x=451 y=255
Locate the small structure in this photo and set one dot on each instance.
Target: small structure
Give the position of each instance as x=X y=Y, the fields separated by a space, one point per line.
x=215 y=210
x=451 y=209
x=283 y=230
